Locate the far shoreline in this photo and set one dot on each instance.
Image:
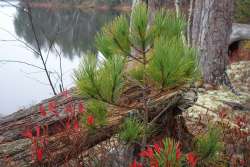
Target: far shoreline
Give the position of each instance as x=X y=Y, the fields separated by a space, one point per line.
x=83 y=6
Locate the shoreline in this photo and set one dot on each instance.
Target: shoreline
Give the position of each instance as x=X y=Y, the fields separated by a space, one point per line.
x=82 y=6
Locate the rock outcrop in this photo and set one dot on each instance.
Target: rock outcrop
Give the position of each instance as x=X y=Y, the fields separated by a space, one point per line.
x=221 y=107
x=239 y=74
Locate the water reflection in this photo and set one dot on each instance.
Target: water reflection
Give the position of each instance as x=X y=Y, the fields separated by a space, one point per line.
x=72 y=30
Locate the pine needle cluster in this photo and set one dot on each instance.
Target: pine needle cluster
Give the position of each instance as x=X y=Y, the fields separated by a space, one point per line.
x=131 y=130
x=147 y=53
x=209 y=148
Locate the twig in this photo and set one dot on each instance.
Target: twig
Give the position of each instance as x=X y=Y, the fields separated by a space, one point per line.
x=37 y=80
x=11 y=4
x=60 y=63
x=6 y=40
x=26 y=45
x=21 y=62
x=127 y=53
x=39 y=49
x=50 y=46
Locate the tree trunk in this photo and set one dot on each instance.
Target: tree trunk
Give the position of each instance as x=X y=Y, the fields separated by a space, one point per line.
x=158 y=4
x=210 y=32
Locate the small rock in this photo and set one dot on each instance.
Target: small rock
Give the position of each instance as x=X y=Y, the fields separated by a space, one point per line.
x=208 y=86
x=201 y=90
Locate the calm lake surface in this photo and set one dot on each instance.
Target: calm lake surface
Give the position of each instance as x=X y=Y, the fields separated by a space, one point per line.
x=63 y=35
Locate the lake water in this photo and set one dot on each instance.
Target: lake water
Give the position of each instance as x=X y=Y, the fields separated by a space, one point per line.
x=65 y=34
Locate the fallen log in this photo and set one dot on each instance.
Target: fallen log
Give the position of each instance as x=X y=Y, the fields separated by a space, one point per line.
x=12 y=126
x=60 y=145
x=240 y=32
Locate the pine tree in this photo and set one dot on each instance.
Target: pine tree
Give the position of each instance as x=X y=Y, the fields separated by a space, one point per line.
x=151 y=58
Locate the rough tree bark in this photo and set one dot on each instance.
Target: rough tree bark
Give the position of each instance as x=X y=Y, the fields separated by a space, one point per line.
x=158 y=4
x=210 y=32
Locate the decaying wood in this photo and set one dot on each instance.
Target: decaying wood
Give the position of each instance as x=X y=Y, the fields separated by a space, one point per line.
x=17 y=150
x=12 y=126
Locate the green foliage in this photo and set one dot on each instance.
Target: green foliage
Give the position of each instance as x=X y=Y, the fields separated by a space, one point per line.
x=170 y=154
x=86 y=76
x=139 y=52
x=137 y=73
x=209 y=148
x=172 y=63
x=242 y=12
x=100 y=81
x=166 y=24
x=114 y=38
x=98 y=110
x=131 y=130
x=139 y=25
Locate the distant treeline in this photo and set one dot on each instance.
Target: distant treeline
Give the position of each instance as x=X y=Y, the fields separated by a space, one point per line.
x=113 y=2
x=110 y=2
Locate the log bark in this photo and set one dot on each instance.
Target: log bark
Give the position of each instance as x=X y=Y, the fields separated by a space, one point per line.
x=12 y=126
x=67 y=145
x=210 y=32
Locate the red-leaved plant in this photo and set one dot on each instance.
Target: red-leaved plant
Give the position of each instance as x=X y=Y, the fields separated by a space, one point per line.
x=166 y=154
x=39 y=135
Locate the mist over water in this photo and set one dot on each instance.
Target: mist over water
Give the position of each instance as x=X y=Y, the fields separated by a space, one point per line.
x=71 y=33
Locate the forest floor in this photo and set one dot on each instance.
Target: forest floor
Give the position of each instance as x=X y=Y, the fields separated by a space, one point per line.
x=223 y=109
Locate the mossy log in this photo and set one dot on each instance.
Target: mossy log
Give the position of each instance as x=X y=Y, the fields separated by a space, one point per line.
x=61 y=146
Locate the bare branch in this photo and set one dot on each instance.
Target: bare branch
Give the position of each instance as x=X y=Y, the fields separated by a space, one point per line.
x=25 y=44
x=39 y=49
x=7 y=40
x=37 y=80
x=13 y=5
x=21 y=62
x=60 y=62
